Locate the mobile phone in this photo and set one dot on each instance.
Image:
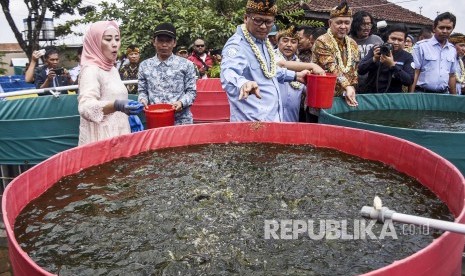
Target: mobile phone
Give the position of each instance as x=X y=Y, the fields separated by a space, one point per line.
x=59 y=71
x=42 y=52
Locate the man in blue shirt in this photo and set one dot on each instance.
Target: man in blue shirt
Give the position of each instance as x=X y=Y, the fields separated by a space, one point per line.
x=249 y=67
x=435 y=59
x=291 y=92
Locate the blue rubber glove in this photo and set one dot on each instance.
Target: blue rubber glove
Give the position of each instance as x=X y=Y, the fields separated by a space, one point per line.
x=135 y=123
x=128 y=106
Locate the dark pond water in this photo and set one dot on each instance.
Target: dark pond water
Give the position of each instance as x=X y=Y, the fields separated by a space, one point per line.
x=416 y=119
x=204 y=210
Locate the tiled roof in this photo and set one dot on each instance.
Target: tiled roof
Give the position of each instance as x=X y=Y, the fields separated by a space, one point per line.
x=10 y=47
x=379 y=9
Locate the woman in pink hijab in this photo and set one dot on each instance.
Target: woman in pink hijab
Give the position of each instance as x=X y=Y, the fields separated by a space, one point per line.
x=103 y=98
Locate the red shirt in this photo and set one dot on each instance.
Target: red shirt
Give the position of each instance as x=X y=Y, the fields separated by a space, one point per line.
x=197 y=61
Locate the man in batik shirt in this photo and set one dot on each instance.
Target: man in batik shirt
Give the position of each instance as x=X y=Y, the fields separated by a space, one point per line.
x=337 y=53
x=458 y=40
x=168 y=78
x=130 y=70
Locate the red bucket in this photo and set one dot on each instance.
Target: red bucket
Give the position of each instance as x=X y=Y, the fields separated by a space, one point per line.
x=159 y=115
x=320 y=90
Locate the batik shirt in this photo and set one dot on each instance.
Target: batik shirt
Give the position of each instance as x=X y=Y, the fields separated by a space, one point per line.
x=324 y=54
x=460 y=77
x=169 y=81
x=305 y=56
x=129 y=72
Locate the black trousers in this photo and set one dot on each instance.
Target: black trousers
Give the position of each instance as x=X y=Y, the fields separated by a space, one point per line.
x=424 y=90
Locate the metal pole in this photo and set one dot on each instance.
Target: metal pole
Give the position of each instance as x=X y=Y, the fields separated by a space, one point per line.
x=51 y=89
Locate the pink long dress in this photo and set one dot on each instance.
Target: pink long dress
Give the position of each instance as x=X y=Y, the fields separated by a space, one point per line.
x=98 y=88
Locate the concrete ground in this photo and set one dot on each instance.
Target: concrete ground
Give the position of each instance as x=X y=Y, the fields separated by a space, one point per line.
x=5 y=269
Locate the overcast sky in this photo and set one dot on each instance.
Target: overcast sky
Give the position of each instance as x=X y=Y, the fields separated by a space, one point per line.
x=429 y=9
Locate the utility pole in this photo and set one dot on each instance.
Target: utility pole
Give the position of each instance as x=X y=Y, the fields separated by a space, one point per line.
x=420 y=9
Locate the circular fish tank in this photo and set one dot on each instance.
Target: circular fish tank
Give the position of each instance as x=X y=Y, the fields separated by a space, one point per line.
x=434 y=172
x=448 y=144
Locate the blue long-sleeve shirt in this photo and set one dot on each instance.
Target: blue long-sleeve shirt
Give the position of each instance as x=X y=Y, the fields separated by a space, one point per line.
x=238 y=66
x=291 y=95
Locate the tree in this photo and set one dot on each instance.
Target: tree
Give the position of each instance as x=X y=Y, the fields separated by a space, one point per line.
x=213 y=20
x=36 y=15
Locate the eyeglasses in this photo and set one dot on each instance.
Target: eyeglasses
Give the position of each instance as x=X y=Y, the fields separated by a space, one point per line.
x=368 y=25
x=199 y=46
x=260 y=21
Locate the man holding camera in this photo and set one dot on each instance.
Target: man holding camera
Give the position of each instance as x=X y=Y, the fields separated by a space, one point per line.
x=388 y=65
x=49 y=75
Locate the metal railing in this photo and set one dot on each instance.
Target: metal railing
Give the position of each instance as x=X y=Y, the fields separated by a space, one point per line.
x=8 y=172
x=55 y=91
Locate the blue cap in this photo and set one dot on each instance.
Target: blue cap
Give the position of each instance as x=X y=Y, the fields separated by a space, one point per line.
x=274 y=30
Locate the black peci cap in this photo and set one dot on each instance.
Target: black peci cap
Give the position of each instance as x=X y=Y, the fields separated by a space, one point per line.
x=165 y=29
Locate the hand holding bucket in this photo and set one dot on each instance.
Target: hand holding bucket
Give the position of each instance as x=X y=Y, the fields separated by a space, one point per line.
x=159 y=115
x=320 y=90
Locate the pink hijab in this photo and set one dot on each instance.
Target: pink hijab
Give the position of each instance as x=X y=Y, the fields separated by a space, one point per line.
x=92 y=49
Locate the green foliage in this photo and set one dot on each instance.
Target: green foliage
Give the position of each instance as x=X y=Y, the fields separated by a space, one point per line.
x=291 y=12
x=37 y=9
x=213 y=20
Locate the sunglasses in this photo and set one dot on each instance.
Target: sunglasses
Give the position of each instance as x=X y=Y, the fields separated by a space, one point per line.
x=199 y=45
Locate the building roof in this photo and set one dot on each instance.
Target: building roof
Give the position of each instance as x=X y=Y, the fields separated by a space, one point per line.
x=10 y=48
x=379 y=9
x=21 y=62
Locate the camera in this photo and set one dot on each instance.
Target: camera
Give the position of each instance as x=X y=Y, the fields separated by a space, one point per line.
x=385 y=49
x=41 y=52
x=59 y=71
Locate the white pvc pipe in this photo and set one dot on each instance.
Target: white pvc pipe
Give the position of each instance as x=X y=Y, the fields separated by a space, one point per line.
x=384 y=213
x=51 y=89
x=433 y=223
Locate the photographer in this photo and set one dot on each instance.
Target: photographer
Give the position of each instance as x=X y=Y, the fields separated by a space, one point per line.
x=388 y=66
x=49 y=75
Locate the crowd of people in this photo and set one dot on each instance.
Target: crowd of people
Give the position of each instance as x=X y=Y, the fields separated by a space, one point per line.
x=258 y=59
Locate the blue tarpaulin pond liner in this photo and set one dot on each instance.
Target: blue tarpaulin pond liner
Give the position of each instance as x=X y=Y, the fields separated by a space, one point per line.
x=34 y=129
x=445 y=143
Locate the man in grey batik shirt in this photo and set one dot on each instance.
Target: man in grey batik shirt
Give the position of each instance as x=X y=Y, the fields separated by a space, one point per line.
x=168 y=78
